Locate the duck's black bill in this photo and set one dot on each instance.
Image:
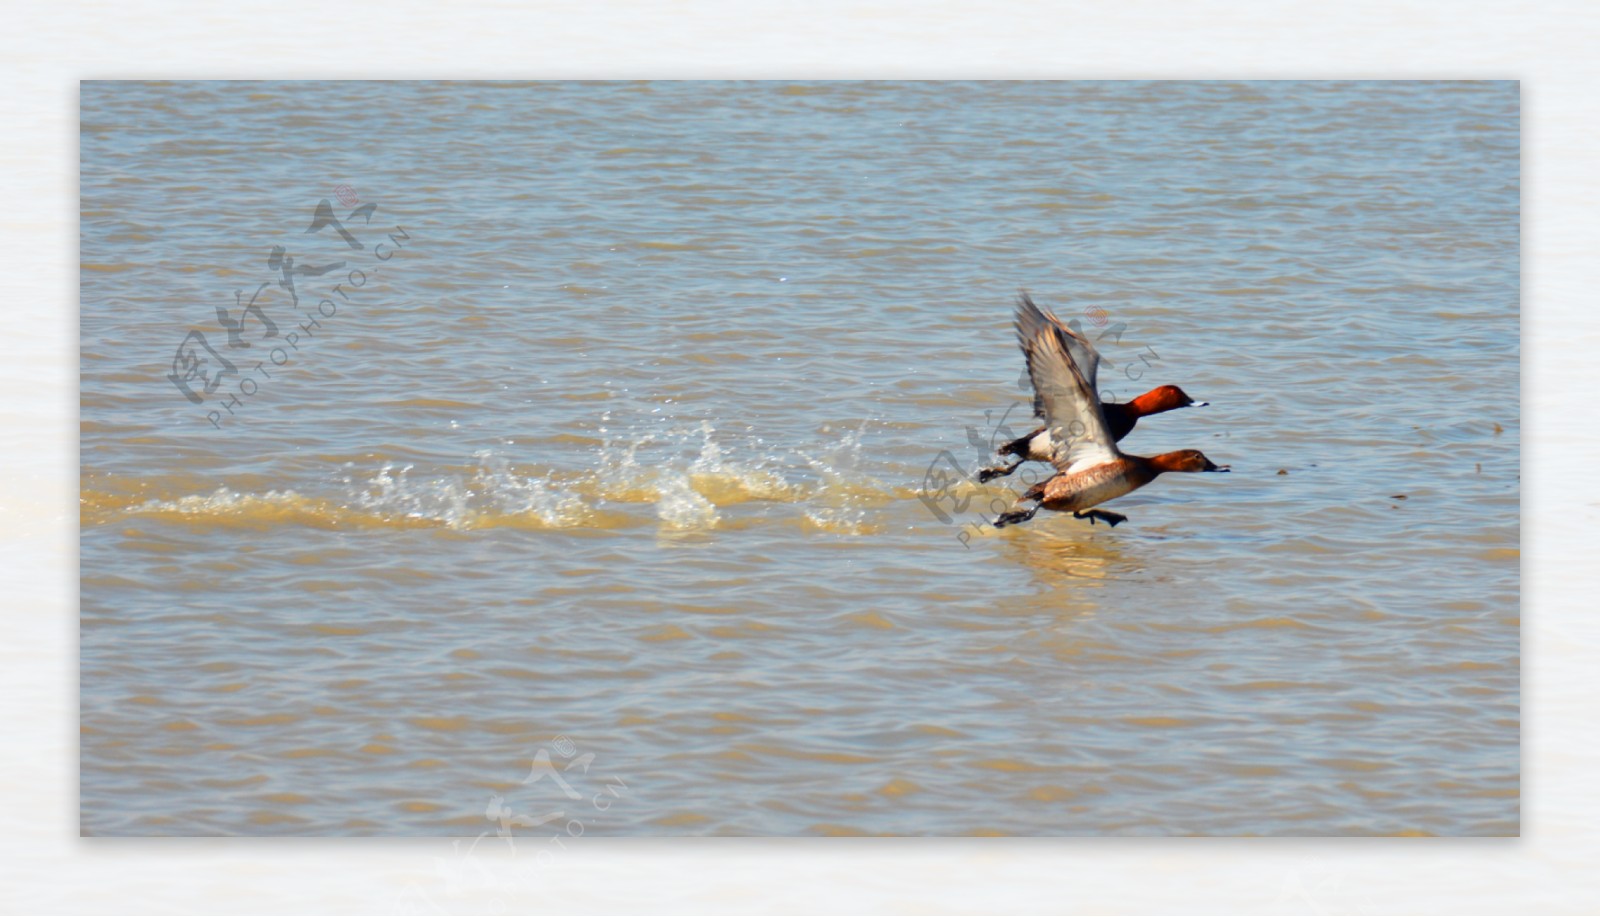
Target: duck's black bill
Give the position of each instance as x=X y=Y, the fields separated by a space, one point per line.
x=1213 y=466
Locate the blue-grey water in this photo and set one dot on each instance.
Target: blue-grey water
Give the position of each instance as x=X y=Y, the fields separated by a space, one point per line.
x=614 y=466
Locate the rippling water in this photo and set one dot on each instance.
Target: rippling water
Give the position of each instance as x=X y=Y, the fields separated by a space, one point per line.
x=633 y=456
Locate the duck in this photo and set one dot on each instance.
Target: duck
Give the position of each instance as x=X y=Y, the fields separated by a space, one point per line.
x=1120 y=417
x=1090 y=469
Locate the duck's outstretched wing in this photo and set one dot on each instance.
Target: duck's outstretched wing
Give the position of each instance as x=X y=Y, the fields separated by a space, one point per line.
x=1062 y=394
x=1031 y=320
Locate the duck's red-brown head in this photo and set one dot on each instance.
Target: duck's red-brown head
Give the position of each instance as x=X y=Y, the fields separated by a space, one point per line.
x=1165 y=398
x=1185 y=460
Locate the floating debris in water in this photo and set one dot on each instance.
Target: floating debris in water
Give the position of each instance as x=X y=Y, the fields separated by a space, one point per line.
x=1283 y=471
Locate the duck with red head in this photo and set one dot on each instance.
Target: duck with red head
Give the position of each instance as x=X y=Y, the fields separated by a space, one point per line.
x=1090 y=468
x=1156 y=401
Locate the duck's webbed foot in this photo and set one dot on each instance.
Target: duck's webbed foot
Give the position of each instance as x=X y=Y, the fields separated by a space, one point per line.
x=1109 y=518
x=986 y=475
x=1013 y=517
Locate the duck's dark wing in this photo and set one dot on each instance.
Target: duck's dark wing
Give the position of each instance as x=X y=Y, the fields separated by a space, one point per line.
x=1032 y=320
x=1119 y=418
x=1063 y=396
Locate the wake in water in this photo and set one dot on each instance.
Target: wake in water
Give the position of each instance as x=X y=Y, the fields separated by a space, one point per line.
x=683 y=475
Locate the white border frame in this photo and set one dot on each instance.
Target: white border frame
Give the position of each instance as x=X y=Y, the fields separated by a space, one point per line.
x=1551 y=47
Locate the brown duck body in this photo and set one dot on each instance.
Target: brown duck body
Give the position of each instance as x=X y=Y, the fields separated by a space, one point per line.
x=1066 y=493
x=1078 y=491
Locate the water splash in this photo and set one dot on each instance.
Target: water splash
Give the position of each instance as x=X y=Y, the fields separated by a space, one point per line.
x=493 y=492
x=688 y=476
x=726 y=482
x=846 y=492
x=681 y=507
